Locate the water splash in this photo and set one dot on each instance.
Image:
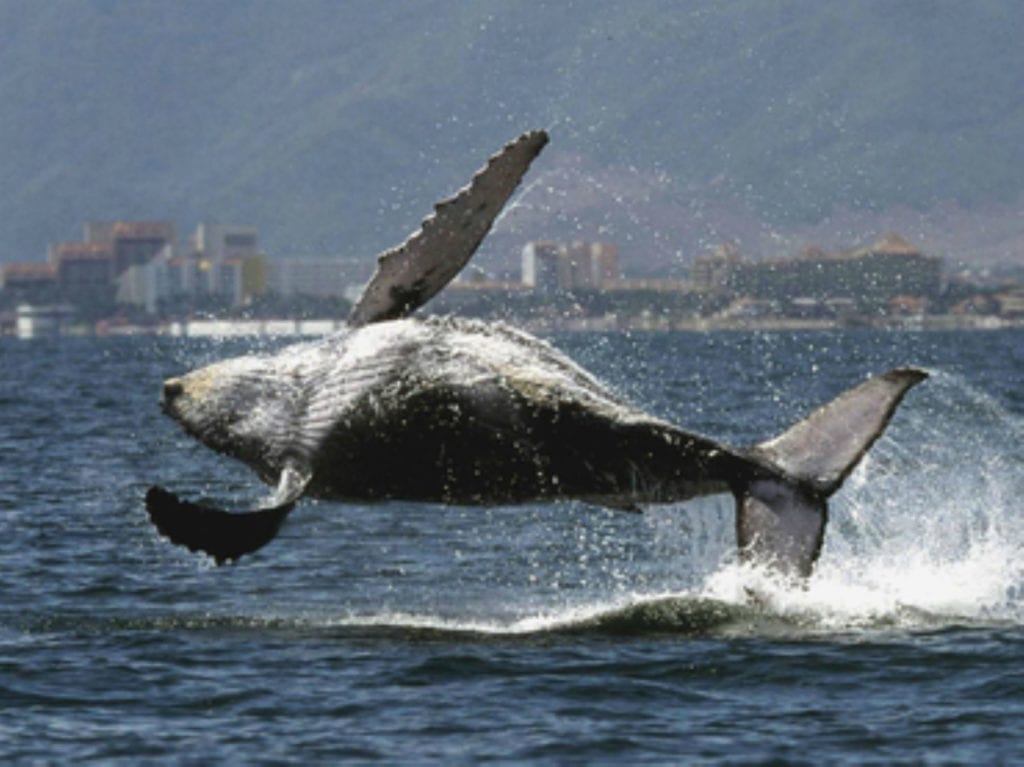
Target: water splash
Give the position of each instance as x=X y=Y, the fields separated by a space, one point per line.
x=927 y=530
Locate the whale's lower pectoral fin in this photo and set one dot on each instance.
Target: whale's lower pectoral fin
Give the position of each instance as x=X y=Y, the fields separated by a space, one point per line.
x=223 y=535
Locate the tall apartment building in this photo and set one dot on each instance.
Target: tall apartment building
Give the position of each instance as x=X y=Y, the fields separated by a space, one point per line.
x=85 y=271
x=222 y=247
x=552 y=266
x=132 y=243
x=541 y=266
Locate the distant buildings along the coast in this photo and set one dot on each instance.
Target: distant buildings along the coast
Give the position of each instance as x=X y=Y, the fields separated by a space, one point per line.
x=137 y=273
x=892 y=275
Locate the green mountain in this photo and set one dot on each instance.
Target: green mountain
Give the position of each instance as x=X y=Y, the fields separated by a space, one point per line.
x=334 y=126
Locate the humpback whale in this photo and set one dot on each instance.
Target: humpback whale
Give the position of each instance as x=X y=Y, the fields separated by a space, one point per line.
x=460 y=411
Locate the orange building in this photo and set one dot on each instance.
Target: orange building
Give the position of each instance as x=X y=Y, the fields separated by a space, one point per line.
x=29 y=282
x=132 y=243
x=83 y=267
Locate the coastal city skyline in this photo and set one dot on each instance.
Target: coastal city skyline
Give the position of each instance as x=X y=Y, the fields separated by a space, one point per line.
x=139 y=276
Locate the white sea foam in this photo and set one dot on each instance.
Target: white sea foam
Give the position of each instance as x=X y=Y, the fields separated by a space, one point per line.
x=928 y=529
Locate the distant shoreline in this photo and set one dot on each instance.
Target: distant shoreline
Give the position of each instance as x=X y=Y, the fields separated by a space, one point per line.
x=286 y=328
x=781 y=324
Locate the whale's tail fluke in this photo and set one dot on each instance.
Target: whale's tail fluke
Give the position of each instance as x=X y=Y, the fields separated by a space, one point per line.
x=780 y=520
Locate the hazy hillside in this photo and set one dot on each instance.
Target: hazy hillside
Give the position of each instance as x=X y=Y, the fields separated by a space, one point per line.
x=334 y=126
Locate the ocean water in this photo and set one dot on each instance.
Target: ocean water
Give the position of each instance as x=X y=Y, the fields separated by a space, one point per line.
x=557 y=634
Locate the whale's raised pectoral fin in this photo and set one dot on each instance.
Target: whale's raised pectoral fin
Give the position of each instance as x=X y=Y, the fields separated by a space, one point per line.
x=224 y=535
x=409 y=275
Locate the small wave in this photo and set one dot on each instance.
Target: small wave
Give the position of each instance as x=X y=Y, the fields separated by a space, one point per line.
x=758 y=611
x=738 y=601
x=670 y=614
x=666 y=614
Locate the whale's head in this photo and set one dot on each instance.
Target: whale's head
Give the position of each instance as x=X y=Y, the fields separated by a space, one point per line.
x=244 y=407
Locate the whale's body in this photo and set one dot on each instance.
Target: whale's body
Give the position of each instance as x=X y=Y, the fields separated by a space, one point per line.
x=448 y=410
x=459 y=411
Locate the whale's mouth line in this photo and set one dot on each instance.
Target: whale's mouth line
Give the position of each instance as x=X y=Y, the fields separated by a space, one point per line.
x=167 y=408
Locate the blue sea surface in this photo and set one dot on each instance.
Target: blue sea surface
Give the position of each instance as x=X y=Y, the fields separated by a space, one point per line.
x=549 y=634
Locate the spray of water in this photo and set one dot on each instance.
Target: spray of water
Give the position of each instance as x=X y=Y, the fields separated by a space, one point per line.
x=927 y=530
